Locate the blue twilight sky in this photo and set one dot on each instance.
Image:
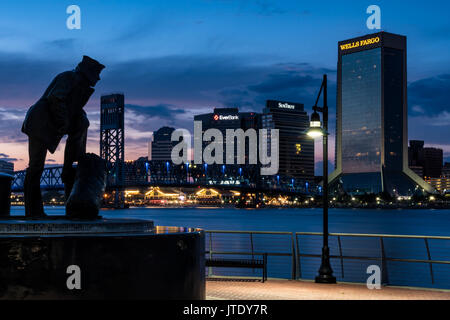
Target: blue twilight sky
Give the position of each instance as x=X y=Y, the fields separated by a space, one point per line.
x=173 y=59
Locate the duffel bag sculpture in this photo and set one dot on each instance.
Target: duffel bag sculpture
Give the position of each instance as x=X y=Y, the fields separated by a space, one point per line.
x=86 y=196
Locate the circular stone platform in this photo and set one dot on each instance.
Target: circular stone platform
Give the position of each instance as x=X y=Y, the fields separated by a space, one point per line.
x=117 y=259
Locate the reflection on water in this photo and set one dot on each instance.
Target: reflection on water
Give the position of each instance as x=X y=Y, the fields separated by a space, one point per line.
x=166 y=230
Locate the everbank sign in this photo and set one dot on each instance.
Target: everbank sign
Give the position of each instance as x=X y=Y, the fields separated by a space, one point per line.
x=222 y=117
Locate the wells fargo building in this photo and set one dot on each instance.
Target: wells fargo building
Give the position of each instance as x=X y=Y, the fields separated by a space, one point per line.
x=371 y=119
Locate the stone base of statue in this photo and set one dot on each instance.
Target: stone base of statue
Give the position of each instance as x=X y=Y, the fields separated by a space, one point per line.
x=99 y=259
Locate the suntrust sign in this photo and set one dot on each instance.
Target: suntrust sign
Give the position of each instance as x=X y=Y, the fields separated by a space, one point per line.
x=286 y=106
x=360 y=43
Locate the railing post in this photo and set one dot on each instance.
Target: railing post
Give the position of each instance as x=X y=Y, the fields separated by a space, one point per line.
x=340 y=255
x=294 y=267
x=299 y=267
x=384 y=271
x=265 y=265
x=251 y=244
x=210 y=254
x=429 y=259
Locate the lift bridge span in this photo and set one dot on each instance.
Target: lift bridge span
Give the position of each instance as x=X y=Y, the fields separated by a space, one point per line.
x=51 y=181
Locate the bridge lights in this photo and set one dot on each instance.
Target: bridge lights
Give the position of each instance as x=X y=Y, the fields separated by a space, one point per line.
x=168 y=167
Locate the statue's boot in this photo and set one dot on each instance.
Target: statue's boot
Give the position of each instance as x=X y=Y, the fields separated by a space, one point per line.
x=68 y=178
x=32 y=195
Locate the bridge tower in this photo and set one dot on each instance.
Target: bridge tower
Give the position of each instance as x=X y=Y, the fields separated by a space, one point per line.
x=112 y=141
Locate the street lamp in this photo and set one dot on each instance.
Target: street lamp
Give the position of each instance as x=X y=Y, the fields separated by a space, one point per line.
x=317 y=130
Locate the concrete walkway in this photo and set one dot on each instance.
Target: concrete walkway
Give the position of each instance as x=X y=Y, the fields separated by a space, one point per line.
x=304 y=290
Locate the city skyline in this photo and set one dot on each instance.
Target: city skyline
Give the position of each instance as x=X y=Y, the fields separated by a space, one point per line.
x=172 y=74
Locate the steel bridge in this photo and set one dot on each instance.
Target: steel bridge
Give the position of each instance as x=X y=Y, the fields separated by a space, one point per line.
x=150 y=174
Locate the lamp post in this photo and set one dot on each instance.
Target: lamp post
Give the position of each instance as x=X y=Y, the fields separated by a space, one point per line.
x=317 y=130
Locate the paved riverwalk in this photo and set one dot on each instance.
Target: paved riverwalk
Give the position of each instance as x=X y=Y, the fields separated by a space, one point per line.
x=305 y=290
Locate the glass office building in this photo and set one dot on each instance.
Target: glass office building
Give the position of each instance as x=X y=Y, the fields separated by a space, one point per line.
x=296 y=153
x=162 y=144
x=371 y=118
x=229 y=118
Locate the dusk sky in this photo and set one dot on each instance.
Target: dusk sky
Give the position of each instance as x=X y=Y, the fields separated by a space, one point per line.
x=173 y=59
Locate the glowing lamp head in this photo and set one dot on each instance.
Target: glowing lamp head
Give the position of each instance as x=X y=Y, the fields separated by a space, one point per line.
x=315 y=133
x=315 y=120
x=315 y=130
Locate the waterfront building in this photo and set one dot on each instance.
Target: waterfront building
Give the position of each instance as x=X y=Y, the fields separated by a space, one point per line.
x=162 y=144
x=433 y=159
x=6 y=167
x=446 y=170
x=415 y=156
x=427 y=160
x=371 y=118
x=296 y=153
x=441 y=184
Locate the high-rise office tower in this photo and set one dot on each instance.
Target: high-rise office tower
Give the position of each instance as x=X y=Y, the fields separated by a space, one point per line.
x=229 y=118
x=296 y=153
x=446 y=170
x=150 y=142
x=433 y=162
x=371 y=118
x=162 y=144
x=415 y=156
x=428 y=161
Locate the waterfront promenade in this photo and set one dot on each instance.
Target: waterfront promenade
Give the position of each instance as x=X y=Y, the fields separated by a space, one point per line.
x=308 y=290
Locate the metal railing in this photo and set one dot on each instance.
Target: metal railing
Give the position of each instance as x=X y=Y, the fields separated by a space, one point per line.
x=348 y=252
x=251 y=251
x=383 y=258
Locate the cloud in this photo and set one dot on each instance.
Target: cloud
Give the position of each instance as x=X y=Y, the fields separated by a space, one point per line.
x=269 y=8
x=24 y=79
x=181 y=82
x=11 y=123
x=6 y=157
x=161 y=91
x=60 y=44
x=430 y=96
x=165 y=111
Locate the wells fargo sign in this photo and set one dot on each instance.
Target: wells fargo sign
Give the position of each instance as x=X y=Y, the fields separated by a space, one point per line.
x=360 y=43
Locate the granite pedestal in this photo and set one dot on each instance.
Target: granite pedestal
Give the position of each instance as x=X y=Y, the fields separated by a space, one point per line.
x=117 y=259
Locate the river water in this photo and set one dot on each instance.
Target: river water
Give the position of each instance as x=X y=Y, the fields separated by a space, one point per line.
x=427 y=222
x=402 y=221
